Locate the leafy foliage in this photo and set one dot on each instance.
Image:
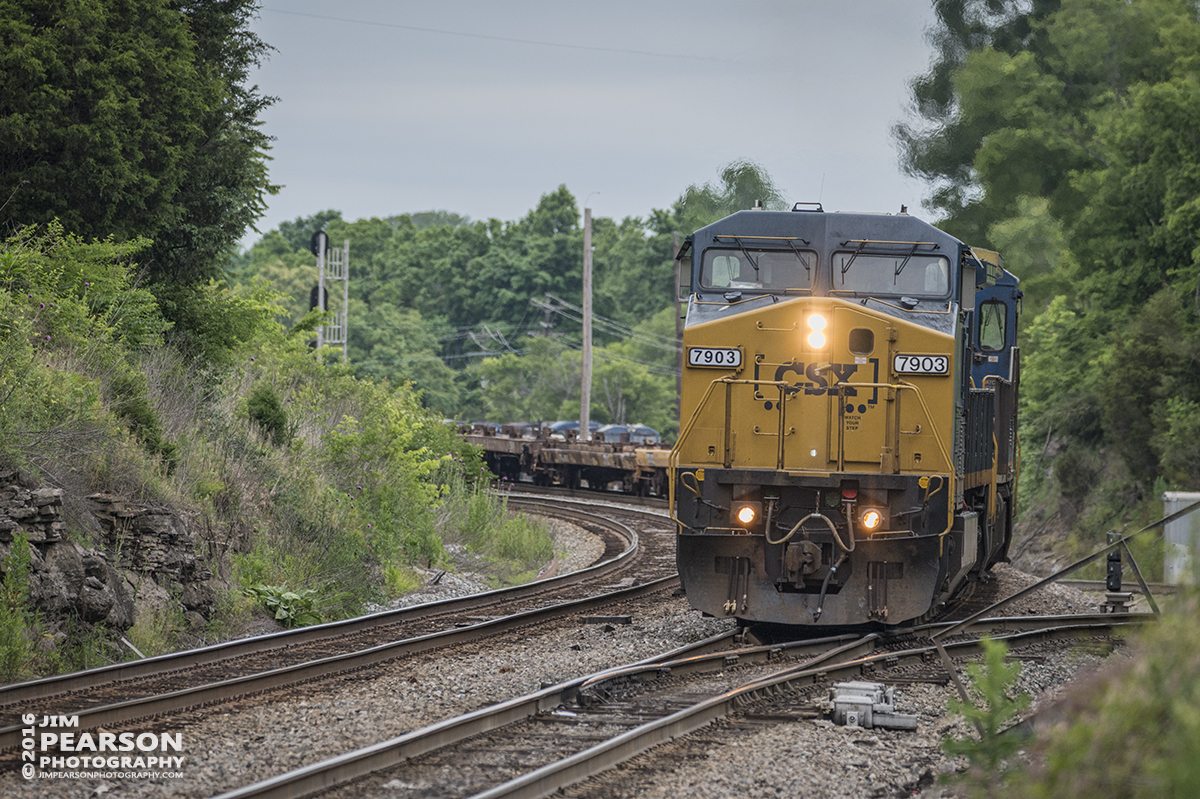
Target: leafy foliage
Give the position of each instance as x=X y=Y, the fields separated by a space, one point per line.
x=992 y=681
x=742 y=185
x=430 y=293
x=1134 y=728
x=133 y=120
x=265 y=410
x=1064 y=134
x=289 y=608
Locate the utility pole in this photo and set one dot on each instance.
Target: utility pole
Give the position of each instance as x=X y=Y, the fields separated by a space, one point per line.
x=678 y=327
x=585 y=383
x=321 y=244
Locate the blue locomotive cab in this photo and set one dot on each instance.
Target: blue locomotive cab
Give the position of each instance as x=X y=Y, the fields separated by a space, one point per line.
x=995 y=331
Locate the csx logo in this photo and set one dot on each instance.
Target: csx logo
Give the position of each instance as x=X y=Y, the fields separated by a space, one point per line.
x=818 y=379
x=820 y=375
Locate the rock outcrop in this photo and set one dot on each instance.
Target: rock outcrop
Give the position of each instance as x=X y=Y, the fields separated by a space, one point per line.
x=141 y=558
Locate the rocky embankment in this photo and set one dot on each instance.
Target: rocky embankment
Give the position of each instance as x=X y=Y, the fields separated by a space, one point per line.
x=117 y=560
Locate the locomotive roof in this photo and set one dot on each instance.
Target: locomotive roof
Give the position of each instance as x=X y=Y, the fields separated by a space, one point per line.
x=827 y=230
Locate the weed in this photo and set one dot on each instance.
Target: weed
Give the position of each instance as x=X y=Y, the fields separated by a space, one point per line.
x=1133 y=730
x=156 y=631
x=512 y=548
x=290 y=608
x=265 y=410
x=17 y=628
x=992 y=680
x=87 y=646
x=400 y=580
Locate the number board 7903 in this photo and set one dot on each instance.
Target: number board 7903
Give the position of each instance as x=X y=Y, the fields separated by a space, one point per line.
x=922 y=364
x=719 y=357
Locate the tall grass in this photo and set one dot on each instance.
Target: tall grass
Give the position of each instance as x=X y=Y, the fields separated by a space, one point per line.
x=17 y=624
x=508 y=548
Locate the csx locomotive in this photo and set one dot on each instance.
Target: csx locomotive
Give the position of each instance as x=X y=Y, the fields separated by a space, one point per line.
x=847 y=451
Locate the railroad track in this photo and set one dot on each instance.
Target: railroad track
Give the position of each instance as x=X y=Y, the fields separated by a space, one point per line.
x=124 y=692
x=655 y=542
x=589 y=495
x=538 y=744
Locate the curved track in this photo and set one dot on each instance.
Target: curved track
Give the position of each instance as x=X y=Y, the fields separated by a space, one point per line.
x=633 y=565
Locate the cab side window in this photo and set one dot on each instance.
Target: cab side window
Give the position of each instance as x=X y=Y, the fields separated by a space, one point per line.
x=992 y=317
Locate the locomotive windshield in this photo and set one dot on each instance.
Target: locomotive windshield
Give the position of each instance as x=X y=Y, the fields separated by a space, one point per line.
x=768 y=270
x=918 y=275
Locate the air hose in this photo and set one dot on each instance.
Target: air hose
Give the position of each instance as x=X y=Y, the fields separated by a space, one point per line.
x=825 y=587
x=828 y=522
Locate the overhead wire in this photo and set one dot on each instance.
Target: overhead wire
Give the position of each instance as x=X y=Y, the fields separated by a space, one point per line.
x=494 y=38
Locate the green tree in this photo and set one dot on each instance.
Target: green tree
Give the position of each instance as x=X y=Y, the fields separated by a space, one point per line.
x=991 y=681
x=1067 y=132
x=540 y=385
x=133 y=118
x=292 y=272
x=633 y=275
x=742 y=184
x=298 y=232
x=939 y=143
x=397 y=345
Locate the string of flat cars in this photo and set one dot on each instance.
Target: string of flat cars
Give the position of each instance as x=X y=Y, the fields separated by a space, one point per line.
x=621 y=457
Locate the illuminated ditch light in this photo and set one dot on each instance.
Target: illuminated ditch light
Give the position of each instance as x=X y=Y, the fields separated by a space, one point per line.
x=871 y=519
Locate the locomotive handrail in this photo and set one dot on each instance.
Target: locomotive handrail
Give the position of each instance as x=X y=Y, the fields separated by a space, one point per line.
x=936 y=437
x=673 y=459
x=953 y=489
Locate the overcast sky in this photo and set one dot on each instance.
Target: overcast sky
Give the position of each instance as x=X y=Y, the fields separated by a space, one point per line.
x=482 y=106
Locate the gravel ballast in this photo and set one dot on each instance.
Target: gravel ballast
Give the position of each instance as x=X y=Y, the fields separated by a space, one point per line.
x=259 y=737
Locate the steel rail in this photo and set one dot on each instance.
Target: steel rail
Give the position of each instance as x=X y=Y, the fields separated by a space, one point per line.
x=588 y=495
x=47 y=687
x=839 y=656
x=225 y=690
x=601 y=757
x=338 y=770
x=1131 y=587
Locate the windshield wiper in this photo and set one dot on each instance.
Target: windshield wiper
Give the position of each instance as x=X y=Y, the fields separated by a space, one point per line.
x=846 y=264
x=907 y=258
x=862 y=245
x=749 y=257
x=803 y=261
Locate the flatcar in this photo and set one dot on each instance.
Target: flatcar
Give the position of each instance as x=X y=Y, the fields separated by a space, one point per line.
x=624 y=459
x=848 y=441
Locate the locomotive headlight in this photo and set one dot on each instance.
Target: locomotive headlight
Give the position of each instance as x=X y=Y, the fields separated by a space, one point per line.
x=871 y=519
x=746 y=513
x=816 y=339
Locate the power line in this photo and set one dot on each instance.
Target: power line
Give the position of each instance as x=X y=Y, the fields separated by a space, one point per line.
x=608 y=355
x=509 y=40
x=612 y=326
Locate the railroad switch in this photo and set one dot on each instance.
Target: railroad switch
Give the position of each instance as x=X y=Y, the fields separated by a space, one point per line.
x=867 y=705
